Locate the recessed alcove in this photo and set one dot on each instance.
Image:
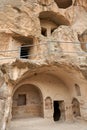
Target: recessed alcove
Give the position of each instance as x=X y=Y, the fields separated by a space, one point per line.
x=50 y=21
x=26 y=46
x=27 y=102
x=76 y=108
x=77 y=89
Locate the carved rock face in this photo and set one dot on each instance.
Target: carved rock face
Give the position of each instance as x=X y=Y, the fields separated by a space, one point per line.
x=45 y=2
x=83 y=40
x=82 y=3
x=37 y=23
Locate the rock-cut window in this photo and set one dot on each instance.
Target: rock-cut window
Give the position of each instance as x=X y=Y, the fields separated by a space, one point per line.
x=21 y=99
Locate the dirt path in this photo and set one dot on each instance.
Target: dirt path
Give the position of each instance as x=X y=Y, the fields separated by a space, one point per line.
x=45 y=124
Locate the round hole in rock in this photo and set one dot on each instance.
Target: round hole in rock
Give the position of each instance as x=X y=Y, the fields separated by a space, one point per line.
x=63 y=3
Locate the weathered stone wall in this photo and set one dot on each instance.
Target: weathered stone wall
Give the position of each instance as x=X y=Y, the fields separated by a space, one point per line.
x=23 y=19
x=59 y=60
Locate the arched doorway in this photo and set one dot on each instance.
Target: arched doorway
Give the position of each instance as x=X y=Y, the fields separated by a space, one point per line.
x=27 y=102
x=76 y=108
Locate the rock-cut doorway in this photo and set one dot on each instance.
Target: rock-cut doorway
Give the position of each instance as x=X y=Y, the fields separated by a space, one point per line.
x=27 y=102
x=59 y=110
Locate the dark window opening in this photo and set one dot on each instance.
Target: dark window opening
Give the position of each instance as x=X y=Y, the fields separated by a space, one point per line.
x=26 y=46
x=24 y=52
x=44 y=31
x=21 y=99
x=63 y=3
x=57 y=112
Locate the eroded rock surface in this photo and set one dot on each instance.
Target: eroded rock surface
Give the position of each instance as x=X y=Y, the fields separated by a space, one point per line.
x=43 y=46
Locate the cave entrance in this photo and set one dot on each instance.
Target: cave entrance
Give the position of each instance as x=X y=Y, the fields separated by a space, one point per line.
x=59 y=110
